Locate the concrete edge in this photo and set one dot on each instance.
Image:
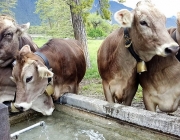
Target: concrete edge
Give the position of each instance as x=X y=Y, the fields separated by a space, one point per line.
x=141 y=117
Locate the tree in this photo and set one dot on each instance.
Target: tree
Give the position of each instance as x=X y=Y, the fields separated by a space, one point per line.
x=76 y=8
x=56 y=19
x=103 y=9
x=6 y=6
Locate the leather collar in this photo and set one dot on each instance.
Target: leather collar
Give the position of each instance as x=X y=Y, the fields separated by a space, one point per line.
x=128 y=44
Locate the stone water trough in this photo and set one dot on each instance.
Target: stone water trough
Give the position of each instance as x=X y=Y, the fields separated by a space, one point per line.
x=157 y=123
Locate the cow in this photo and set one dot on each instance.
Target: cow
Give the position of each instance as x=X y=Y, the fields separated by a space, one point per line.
x=175 y=33
x=12 y=38
x=141 y=36
x=60 y=61
x=161 y=82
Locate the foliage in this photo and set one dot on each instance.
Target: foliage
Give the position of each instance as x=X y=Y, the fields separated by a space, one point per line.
x=82 y=8
x=104 y=9
x=98 y=27
x=95 y=33
x=36 y=30
x=56 y=18
x=6 y=6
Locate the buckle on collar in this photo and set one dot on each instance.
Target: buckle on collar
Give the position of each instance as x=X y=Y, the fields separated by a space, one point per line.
x=127 y=38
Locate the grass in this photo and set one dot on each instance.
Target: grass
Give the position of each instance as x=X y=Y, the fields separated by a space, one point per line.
x=93 y=46
x=40 y=41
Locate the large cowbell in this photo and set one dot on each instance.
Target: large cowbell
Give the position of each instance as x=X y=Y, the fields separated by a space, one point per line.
x=141 y=67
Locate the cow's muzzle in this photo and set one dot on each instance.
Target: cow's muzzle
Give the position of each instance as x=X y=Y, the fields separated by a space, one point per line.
x=171 y=50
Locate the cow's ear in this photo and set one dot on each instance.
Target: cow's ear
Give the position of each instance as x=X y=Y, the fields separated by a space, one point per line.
x=25 y=49
x=44 y=72
x=124 y=17
x=178 y=15
x=24 y=27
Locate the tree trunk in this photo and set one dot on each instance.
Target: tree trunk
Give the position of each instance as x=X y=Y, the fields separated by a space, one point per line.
x=80 y=32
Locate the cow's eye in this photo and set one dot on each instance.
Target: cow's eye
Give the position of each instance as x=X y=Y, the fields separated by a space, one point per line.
x=29 y=79
x=143 y=23
x=8 y=35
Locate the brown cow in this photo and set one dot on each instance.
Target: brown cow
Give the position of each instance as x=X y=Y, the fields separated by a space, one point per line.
x=12 y=38
x=67 y=61
x=161 y=84
x=175 y=33
x=161 y=87
x=144 y=27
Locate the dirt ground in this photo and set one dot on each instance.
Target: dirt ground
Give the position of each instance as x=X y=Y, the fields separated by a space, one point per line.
x=94 y=92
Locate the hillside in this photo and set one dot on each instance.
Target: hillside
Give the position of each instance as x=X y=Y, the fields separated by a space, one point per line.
x=24 y=12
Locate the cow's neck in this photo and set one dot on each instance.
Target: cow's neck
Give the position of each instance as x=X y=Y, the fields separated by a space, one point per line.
x=24 y=40
x=141 y=66
x=128 y=44
x=45 y=61
x=161 y=70
x=43 y=58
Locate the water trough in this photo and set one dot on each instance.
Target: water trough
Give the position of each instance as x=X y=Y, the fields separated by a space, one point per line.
x=156 y=123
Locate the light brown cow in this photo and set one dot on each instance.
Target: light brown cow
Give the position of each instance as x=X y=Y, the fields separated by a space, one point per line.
x=161 y=83
x=149 y=37
x=175 y=33
x=12 y=38
x=67 y=61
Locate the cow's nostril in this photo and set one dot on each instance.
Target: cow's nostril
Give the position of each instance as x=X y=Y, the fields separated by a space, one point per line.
x=168 y=51
x=20 y=109
x=172 y=50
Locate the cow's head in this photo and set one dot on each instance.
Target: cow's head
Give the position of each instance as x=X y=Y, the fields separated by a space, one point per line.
x=31 y=78
x=178 y=21
x=9 y=39
x=147 y=30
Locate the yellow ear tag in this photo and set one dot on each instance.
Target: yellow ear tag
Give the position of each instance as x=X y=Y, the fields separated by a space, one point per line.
x=13 y=109
x=141 y=67
x=49 y=90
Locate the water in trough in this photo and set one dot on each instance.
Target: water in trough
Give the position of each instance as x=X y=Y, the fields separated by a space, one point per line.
x=72 y=124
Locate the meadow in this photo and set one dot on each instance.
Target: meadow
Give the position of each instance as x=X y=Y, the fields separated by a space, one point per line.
x=91 y=84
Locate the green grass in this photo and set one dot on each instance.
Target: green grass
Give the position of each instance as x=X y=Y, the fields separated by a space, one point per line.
x=40 y=41
x=93 y=46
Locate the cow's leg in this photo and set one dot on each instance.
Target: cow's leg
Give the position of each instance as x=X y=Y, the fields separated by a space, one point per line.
x=73 y=87
x=130 y=96
x=107 y=92
x=148 y=102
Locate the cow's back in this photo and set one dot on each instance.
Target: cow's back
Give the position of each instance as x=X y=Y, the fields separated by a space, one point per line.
x=66 y=58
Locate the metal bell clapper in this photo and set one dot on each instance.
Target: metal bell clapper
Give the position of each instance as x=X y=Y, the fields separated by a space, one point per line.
x=141 y=67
